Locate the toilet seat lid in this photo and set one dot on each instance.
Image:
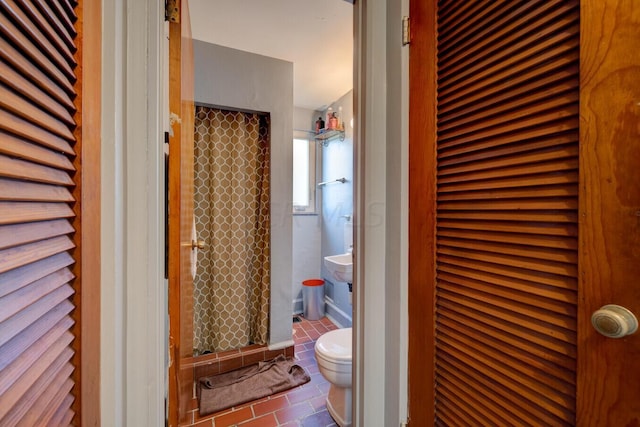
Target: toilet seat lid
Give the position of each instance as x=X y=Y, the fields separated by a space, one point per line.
x=335 y=345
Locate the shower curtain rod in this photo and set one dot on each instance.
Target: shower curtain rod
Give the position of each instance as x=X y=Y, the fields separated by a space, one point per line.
x=342 y=180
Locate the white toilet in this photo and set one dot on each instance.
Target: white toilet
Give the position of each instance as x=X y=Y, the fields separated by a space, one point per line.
x=333 y=354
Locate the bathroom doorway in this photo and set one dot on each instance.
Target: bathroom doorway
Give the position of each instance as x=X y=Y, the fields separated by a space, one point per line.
x=279 y=318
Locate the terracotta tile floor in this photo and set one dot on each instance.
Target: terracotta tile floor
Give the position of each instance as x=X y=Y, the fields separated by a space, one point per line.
x=303 y=406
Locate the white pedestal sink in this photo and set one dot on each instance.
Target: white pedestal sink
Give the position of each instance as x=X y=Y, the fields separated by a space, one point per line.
x=340 y=266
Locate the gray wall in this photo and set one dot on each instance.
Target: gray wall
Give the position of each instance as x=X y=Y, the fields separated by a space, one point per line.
x=306 y=255
x=337 y=202
x=231 y=78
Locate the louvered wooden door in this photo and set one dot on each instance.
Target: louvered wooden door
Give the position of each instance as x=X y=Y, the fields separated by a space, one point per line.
x=512 y=206
x=40 y=204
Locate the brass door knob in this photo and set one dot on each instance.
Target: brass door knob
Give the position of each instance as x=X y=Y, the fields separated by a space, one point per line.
x=614 y=321
x=200 y=244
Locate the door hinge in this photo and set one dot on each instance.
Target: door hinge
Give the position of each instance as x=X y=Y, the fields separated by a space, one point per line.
x=406 y=31
x=171 y=11
x=166 y=137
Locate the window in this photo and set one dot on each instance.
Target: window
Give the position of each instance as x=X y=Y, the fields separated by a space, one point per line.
x=304 y=176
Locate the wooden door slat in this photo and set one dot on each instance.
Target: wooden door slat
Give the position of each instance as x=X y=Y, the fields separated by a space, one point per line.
x=67 y=34
x=496 y=42
x=26 y=89
x=64 y=18
x=24 y=297
x=491 y=412
x=530 y=181
x=19 y=39
x=508 y=271
x=64 y=414
x=22 y=255
x=510 y=355
x=28 y=171
x=458 y=405
x=15 y=212
x=512 y=400
x=29 y=29
x=22 y=128
x=34 y=332
x=540 y=334
x=45 y=370
x=17 y=368
x=515 y=221
x=530 y=191
x=28 y=191
x=19 y=234
x=566 y=299
x=510 y=23
x=527 y=387
x=533 y=241
x=524 y=158
x=20 y=277
x=567 y=164
x=50 y=398
x=543 y=266
x=19 y=148
x=500 y=72
x=531 y=307
x=544 y=44
x=16 y=324
x=508 y=339
x=30 y=16
x=34 y=73
x=17 y=105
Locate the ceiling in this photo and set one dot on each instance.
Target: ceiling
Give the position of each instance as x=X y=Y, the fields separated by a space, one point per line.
x=317 y=36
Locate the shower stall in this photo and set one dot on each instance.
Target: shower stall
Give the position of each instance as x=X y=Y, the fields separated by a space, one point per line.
x=231 y=289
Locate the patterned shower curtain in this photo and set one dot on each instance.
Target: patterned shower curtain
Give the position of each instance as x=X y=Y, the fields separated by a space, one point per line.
x=231 y=286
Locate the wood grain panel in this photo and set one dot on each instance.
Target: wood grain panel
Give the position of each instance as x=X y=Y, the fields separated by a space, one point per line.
x=609 y=208
x=422 y=216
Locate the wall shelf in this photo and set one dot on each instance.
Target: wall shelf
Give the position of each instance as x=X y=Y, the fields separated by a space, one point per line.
x=325 y=137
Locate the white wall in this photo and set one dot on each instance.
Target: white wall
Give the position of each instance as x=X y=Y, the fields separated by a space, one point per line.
x=231 y=78
x=337 y=204
x=306 y=242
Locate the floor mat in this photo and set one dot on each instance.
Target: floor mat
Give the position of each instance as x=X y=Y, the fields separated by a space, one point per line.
x=222 y=391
